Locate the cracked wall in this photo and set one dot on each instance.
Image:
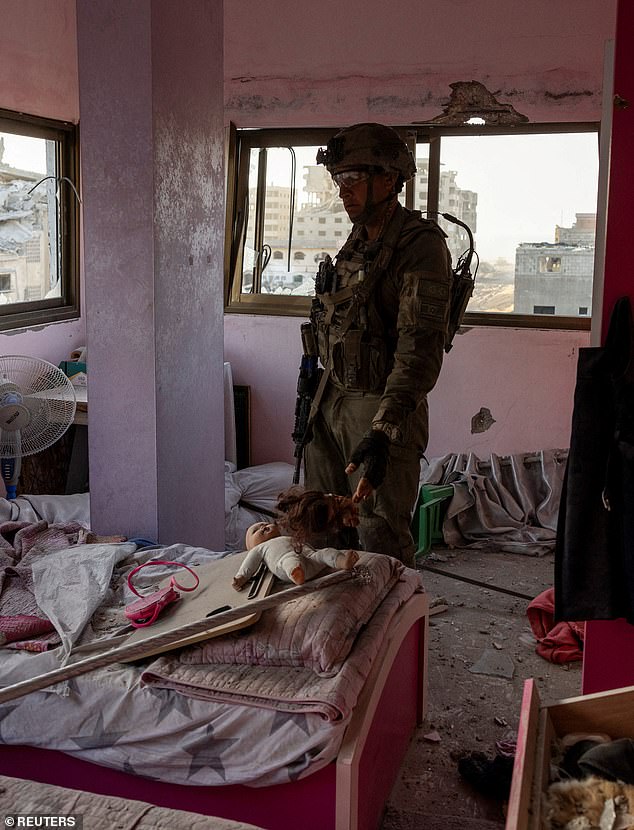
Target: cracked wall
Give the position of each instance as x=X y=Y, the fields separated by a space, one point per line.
x=331 y=63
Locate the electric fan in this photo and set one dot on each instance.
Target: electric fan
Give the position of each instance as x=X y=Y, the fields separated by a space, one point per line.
x=37 y=405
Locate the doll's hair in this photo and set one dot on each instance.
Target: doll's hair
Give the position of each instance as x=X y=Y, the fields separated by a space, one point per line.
x=306 y=513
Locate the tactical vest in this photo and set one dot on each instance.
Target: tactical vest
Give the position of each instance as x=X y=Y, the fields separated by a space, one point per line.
x=355 y=345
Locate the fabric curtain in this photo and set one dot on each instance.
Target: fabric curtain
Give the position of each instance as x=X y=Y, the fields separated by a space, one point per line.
x=507 y=503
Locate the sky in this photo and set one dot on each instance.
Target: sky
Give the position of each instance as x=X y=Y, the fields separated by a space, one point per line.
x=526 y=184
x=24 y=152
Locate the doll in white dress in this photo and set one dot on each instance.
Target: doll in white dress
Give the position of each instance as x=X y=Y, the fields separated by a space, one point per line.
x=284 y=558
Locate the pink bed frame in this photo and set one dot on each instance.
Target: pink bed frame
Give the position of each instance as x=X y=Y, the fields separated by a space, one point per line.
x=348 y=794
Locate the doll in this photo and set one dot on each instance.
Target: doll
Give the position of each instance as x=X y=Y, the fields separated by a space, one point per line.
x=316 y=518
x=284 y=558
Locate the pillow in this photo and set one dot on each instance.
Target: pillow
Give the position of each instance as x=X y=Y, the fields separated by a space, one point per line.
x=315 y=631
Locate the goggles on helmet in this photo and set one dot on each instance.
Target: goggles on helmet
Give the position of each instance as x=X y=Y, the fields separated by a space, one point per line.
x=350 y=178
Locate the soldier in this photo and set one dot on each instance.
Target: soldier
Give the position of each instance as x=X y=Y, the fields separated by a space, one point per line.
x=380 y=316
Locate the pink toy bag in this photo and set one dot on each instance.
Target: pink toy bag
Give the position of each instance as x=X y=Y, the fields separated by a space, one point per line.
x=145 y=610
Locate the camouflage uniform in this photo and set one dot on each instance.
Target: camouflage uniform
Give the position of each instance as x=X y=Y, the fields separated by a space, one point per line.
x=383 y=351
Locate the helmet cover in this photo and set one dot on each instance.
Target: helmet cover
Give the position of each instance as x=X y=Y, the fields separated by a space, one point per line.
x=367 y=145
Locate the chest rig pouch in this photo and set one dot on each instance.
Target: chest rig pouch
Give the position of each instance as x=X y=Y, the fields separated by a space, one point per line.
x=353 y=342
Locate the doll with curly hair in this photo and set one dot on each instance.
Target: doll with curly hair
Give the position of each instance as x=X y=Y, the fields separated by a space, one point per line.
x=308 y=515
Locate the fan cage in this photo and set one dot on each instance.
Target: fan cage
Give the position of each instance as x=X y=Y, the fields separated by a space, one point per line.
x=48 y=395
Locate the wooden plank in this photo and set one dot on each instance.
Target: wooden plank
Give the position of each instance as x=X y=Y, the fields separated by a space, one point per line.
x=611 y=712
x=524 y=766
x=213 y=594
x=541 y=775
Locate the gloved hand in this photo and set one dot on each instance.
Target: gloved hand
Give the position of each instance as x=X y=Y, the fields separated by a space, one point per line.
x=373 y=451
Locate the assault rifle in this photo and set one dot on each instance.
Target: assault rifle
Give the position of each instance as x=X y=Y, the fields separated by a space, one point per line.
x=307 y=383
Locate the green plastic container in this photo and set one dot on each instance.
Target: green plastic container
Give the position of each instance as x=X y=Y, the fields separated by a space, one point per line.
x=429 y=514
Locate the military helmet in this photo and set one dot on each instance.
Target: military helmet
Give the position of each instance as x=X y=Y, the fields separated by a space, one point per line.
x=367 y=145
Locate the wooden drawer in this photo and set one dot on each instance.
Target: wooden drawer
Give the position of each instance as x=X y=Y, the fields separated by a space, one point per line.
x=610 y=712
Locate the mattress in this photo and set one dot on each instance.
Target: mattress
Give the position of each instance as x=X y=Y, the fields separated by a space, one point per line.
x=98 y=812
x=113 y=718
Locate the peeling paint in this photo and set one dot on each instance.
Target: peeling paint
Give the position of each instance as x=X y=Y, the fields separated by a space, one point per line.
x=395 y=102
x=573 y=93
x=471 y=99
x=259 y=102
x=482 y=421
x=269 y=100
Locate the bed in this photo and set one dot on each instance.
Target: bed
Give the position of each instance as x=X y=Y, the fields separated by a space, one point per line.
x=28 y=798
x=327 y=748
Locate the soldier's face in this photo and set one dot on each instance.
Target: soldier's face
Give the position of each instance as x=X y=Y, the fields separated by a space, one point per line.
x=353 y=191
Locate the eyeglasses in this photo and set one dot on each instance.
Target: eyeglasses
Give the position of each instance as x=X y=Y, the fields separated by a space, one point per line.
x=350 y=178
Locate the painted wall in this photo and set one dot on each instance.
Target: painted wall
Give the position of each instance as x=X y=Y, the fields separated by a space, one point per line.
x=607 y=641
x=153 y=222
x=38 y=75
x=334 y=64
x=38 y=59
x=525 y=378
x=307 y=63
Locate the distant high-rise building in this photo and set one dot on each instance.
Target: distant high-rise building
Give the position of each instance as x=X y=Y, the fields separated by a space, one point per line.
x=321 y=225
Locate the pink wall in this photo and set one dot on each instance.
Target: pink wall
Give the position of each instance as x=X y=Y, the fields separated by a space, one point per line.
x=334 y=63
x=309 y=63
x=609 y=644
x=524 y=377
x=38 y=59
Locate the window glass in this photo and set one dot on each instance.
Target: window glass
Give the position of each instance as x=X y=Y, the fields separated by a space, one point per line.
x=530 y=201
x=38 y=214
x=297 y=192
x=528 y=198
x=29 y=221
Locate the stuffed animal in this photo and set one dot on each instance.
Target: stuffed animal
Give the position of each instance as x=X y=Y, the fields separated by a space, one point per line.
x=590 y=804
x=265 y=543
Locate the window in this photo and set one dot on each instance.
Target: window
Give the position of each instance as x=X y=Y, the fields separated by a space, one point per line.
x=39 y=214
x=528 y=193
x=549 y=264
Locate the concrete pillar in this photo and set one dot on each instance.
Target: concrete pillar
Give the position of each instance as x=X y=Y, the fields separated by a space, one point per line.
x=152 y=145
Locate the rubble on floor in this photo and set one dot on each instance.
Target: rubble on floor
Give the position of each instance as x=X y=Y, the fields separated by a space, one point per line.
x=481 y=649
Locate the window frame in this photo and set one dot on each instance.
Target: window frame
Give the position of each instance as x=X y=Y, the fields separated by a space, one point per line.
x=242 y=141
x=67 y=305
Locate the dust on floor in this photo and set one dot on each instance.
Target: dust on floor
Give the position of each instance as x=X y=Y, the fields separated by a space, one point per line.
x=468 y=712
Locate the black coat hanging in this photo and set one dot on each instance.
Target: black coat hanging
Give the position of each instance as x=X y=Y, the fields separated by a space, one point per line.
x=594 y=552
